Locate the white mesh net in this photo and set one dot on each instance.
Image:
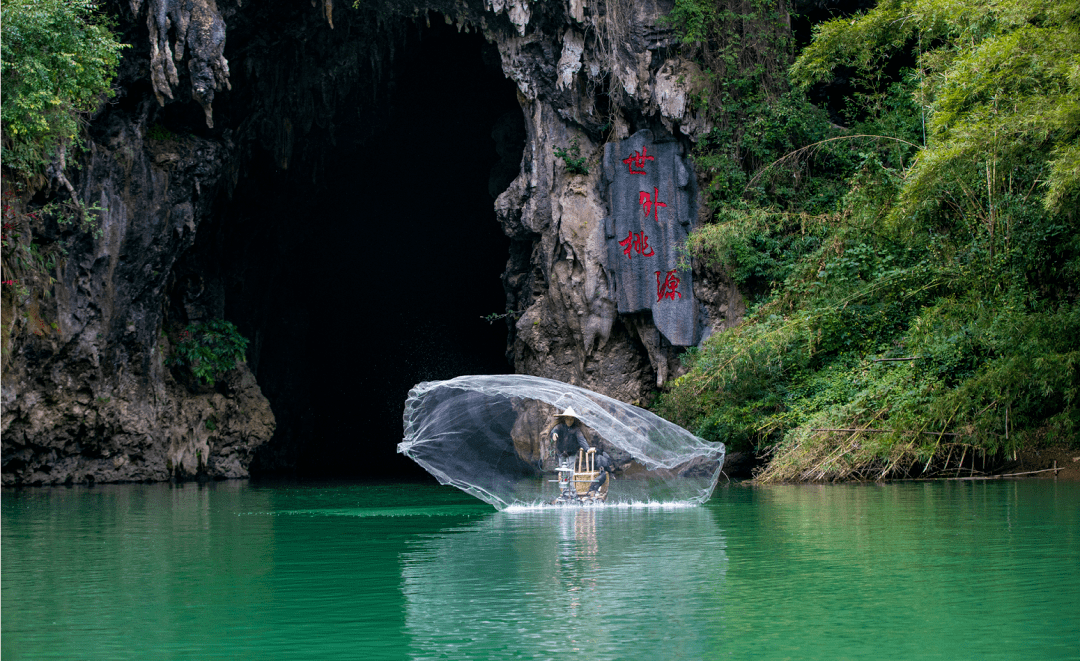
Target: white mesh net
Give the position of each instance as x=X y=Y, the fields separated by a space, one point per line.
x=491 y=436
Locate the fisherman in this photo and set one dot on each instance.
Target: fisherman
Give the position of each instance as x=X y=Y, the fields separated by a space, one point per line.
x=567 y=437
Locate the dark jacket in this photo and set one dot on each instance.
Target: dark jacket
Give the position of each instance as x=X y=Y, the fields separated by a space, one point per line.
x=569 y=439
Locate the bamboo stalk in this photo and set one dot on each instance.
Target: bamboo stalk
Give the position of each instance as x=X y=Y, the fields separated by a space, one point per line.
x=990 y=477
x=960 y=466
x=940 y=434
x=891 y=431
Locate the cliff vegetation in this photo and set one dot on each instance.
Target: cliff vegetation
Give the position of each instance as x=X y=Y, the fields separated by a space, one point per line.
x=59 y=60
x=900 y=207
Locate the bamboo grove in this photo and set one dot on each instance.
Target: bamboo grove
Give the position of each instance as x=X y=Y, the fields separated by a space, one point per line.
x=907 y=242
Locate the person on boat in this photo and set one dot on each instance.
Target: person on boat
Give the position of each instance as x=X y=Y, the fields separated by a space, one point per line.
x=567 y=437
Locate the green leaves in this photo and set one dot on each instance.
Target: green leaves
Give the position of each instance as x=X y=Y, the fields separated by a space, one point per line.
x=999 y=81
x=864 y=43
x=573 y=160
x=209 y=349
x=959 y=252
x=59 y=58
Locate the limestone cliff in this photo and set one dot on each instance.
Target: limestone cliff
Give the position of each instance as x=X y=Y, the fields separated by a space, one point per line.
x=265 y=92
x=86 y=393
x=599 y=74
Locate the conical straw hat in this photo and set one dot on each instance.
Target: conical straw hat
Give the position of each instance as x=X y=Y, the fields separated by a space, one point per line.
x=568 y=413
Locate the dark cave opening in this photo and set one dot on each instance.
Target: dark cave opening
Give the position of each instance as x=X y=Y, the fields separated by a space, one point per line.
x=356 y=288
x=421 y=254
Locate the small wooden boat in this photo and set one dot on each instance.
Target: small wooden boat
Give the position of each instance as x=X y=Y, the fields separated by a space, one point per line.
x=575 y=482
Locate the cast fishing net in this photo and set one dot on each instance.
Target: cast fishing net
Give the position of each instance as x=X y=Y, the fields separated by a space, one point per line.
x=491 y=437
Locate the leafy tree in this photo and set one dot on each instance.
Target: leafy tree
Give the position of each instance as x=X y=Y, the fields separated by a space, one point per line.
x=59 y=59
x=998 y=79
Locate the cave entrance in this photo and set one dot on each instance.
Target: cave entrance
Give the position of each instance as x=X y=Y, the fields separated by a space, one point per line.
x=382 y=277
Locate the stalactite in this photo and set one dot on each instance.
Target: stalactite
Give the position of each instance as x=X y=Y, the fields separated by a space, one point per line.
x=191 y=28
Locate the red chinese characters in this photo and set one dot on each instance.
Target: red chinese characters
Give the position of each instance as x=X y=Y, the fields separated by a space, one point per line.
x=651 y=204
x=637 y=160
x=669 y=288
x=636 y=242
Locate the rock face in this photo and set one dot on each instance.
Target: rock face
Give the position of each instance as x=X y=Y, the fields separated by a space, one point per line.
x=652 y=208
x=616 y=73
x=86 y=394
x=270 y=87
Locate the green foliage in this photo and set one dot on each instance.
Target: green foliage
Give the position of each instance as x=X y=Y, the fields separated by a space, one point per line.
x=31 y=255
x=998 y=78
x=743 y=45
x=159 y=133
x=74 y=213
x=572 y=158
x=59 y=58
x=209 y=349
x=776 y=166
x=955 y=247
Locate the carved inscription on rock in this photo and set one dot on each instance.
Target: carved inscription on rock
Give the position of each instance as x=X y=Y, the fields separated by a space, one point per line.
x=651 y=211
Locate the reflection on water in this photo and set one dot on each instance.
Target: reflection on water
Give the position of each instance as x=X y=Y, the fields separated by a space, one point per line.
x=580 y=582
x=949 y=570
x=356 y=571
x=98 y=572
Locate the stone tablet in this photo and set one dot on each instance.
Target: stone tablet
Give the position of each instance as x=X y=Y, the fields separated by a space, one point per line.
x=651 y=208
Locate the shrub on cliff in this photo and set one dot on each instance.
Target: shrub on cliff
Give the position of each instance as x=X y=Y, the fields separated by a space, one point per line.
x=209 y=349
x=59 y=59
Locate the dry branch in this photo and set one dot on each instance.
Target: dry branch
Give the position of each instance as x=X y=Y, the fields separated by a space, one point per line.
x=891 y=431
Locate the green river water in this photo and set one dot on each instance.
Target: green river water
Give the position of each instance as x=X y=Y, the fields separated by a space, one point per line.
x=239 y=570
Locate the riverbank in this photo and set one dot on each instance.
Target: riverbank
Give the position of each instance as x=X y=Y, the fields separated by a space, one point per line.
x=1065 y=459
x=1059 y=461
